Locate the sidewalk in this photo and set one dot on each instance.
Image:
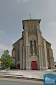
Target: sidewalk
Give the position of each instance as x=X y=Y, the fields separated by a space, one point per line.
x=25 y=74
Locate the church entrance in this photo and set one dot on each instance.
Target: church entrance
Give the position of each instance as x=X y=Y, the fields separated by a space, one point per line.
x=34 y=65
x=18 y=66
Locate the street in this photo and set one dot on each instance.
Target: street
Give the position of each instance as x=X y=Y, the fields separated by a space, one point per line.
x=7 y=81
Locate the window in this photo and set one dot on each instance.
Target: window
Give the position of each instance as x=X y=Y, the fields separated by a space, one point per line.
x=31 y=46
x=28 y=28
x=35 y=29
x=18 y=55
x=13 y=54
x=35 y=46
x=13 y=61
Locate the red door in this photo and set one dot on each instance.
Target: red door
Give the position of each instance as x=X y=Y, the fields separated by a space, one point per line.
x=18 y=66
x=34 y=65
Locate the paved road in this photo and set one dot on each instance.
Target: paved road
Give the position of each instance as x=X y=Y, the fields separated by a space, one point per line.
x=4 y=81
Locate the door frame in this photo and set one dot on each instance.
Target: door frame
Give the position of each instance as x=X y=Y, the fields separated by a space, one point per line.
x=34 y=58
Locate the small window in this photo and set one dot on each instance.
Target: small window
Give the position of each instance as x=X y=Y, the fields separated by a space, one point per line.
x=18 y=55
x=35 y=46
x=13 y=54
x=31 y=46
x=29 y=28
x=35 y=29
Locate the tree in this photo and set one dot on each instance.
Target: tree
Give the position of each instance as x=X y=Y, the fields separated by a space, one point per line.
x=6 y=59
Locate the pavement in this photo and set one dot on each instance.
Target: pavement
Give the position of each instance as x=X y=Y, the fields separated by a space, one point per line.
x=3 y=81
x=26 y=74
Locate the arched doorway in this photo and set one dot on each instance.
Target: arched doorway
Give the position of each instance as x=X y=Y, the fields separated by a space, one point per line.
x=34 y=65
x=18 y=66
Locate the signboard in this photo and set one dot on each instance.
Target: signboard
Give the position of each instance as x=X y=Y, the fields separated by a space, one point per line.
x=49 y=79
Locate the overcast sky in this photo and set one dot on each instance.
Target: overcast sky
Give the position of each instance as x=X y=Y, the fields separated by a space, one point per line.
x=12 y=12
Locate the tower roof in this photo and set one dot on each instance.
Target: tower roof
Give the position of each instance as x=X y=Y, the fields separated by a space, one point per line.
x=30 y=20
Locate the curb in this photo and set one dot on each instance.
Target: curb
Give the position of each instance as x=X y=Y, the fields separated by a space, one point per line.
x=21 y=77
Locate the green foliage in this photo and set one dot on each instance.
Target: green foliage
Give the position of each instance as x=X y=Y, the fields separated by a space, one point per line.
x=13 y=66
x=6 y=59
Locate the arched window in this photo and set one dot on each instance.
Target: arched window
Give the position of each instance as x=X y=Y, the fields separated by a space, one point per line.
x=35 y=29
x=28 y=28
x=35 y=46
x=13 y=54
x=18 y=55
x=31 y=46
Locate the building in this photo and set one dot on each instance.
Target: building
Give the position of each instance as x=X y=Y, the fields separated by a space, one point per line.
x=32 y=51
x=55 y=64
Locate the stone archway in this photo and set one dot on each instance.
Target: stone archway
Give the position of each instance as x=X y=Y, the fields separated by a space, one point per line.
x=34 y=64
x=32 y=38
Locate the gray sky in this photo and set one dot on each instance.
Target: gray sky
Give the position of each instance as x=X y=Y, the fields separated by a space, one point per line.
x=12 y=12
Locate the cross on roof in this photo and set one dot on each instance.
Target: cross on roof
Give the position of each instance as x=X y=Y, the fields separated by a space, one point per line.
x=30 y=15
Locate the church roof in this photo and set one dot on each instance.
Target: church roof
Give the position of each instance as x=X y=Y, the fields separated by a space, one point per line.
x=46 y=41
x=18 y=40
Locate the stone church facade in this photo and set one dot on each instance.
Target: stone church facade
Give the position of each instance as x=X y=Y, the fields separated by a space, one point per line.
x=32 y=51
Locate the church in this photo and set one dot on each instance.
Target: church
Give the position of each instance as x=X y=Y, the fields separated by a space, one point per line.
x=32 y=51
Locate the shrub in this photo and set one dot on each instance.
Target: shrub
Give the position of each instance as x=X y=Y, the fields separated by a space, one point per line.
x=13 y=66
